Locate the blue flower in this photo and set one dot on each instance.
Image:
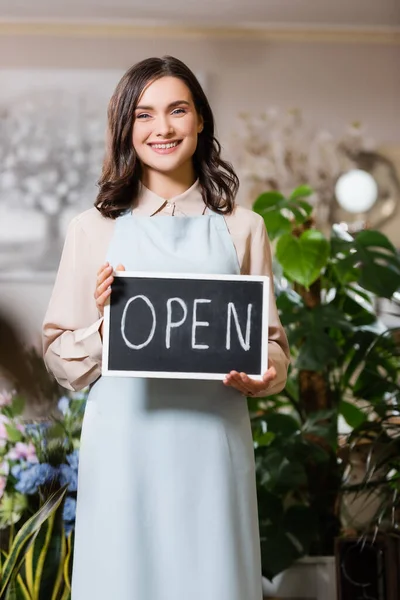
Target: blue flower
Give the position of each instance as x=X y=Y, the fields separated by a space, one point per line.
x=69 y=509
x=38 y=474
x=17 y=468
x=36 y=430
x=73 y=459
x=63 y=405
x=69 y=476
x=69 y=512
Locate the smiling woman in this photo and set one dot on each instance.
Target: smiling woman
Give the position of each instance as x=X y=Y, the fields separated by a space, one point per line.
x=166 y=124
x=181 y=520
x=158 y=110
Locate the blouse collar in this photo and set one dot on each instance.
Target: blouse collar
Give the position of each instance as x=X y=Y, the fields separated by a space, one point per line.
x=191 y=202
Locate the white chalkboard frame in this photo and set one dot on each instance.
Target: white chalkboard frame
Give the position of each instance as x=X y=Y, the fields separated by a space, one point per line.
x=265 y=280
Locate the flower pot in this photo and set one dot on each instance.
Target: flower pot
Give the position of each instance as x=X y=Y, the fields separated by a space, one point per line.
x=310 y=578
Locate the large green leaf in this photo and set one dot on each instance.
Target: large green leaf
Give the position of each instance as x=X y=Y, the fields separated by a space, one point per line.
x=303 y=191
x=270 y=506
x=303 y=259
x=292 y=475
x=380 y=263
x=374 y=365
x=18 y=405
x=278 y=552
x=286 y=538
x=25 y=537
x=353 y=415
x=311 y=333
x=317 y=353
x=278 y=212
x=281 y=424
x=302 y=523
x=371 y=260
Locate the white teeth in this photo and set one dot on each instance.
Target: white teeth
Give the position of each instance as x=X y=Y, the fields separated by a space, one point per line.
x=165 y=146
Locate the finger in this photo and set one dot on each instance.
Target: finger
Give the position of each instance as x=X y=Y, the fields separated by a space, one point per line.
x=120 y=268
x=101 y=300
x=103 y=275
x=256 y=386
x=104 y=286
x=234 y=378
x=269 y=375
x=103 y=267
x=244 y=382
x=235 y=382
x=252 y=385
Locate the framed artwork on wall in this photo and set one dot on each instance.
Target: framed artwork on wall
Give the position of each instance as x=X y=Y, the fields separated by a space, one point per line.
x=52 y=141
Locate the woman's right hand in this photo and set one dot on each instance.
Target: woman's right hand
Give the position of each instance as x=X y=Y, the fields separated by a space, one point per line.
x=103 y=286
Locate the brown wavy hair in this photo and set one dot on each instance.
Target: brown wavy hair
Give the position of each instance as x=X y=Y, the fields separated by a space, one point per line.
x=120 y=179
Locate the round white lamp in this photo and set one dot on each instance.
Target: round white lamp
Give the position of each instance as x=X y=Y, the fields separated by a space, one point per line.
x=356 y=191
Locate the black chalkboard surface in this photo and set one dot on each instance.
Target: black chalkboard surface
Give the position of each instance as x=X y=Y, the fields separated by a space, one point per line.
x=186 y=326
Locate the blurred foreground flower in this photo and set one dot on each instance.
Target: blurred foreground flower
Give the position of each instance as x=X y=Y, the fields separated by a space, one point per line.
x=38 y=457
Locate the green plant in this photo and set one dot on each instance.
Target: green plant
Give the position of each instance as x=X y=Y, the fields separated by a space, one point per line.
x=24 y=568
x=38 y=483
x=343 y=366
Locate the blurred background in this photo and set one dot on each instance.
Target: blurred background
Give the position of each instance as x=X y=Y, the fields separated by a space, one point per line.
x=301 y=91
x=306 y=95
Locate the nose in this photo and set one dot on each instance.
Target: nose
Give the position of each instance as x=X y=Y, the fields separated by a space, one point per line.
x=164 y=127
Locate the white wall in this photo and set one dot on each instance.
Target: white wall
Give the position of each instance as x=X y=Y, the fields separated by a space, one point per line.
x=333 y=84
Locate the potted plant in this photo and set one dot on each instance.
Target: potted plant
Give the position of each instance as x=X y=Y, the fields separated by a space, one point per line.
x=327 y=290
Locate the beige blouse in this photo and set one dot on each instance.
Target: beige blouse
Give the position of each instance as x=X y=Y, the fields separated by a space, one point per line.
x=71 y=338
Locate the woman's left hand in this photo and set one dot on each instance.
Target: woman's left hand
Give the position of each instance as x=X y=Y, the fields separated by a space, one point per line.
x=249 y=386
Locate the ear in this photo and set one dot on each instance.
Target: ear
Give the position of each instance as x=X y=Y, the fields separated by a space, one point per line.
x=200 y=126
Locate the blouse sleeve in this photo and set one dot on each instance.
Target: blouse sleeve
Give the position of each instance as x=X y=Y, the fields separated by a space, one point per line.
x=72 y=343
x=260 y=263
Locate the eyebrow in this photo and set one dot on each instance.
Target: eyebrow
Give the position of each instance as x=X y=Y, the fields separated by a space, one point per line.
x=171 y=105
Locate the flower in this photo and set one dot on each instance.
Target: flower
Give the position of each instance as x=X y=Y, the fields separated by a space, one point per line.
x=69 y=476
x=69 y=472
x=4 y=468
x=16 y=469
x=36 y=430
x=63 y=405
x=6 y=398
x=3 y=431
x=23 y=451
x=3 y=483
x=69 y=512
x=4 y=471
x=73 y=459
x=69 y=509
x=34 y=476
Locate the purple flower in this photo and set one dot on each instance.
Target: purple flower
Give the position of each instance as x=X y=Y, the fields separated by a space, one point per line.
x=3 y=431
x=3 y=483
x=24 y=452
x=6 y=398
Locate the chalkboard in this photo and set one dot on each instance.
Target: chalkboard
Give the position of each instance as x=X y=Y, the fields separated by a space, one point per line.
x=186 y=326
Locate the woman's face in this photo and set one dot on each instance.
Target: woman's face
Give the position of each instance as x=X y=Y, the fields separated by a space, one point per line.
x=166 y=126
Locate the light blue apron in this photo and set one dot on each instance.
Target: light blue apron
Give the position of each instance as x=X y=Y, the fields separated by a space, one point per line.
x=166 y=494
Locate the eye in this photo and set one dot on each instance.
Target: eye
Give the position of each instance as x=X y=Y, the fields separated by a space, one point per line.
x=179 y=111
x=143 y=116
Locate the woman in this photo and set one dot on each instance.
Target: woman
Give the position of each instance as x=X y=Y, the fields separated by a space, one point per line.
x=167 y=500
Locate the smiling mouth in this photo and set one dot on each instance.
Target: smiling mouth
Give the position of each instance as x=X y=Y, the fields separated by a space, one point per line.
x=166 y=145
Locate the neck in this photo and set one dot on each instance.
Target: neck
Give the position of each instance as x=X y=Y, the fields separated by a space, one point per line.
x=169 y=185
